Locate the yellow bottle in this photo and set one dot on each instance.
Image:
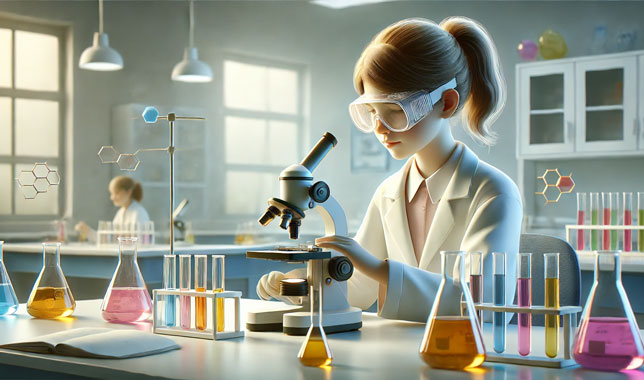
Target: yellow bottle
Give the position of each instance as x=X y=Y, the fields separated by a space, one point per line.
x=51 y=296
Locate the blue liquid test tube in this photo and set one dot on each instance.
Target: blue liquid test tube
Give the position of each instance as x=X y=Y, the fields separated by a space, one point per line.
x=170 y=283
x=499 y=300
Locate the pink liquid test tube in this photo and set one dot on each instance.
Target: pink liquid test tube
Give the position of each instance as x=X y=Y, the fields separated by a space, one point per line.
x=524 y=299
x=581 y=218
x=185 y=302
x=606 y=209
x=476 y=282
x=628 y=220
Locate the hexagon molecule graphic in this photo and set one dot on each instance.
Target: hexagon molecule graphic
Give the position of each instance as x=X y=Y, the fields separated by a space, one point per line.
x=555 y=185
x=150 y=114
x=108 y=154
x=128 y=162
x=38 y=180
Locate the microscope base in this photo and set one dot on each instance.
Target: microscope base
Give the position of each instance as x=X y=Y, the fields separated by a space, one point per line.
x=297 y=322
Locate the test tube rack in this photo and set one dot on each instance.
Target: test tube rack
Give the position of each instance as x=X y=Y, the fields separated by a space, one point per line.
x=158 y=327
x=108 y=233
x=602 y=227
x=569 y=316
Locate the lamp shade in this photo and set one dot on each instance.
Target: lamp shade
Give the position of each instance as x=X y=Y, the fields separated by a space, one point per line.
x=100 y=56
x=191 y=69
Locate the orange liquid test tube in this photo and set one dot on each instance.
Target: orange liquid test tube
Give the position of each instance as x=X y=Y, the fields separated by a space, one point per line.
x=201 y=278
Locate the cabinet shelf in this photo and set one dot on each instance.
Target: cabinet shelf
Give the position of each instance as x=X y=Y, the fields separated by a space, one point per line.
x=617 y=107
x=552 y=111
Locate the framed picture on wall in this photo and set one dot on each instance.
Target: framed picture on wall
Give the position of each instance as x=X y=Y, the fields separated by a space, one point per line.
x=367 y=154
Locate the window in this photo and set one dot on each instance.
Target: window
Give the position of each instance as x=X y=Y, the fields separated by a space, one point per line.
x=263 y=121
x=32 y=103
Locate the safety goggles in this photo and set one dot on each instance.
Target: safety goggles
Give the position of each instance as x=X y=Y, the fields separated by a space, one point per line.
x=398 y=112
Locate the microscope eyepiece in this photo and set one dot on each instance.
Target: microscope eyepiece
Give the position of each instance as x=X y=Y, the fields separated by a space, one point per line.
x=269 y=215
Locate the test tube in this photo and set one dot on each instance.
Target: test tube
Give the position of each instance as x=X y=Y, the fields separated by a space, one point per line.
x=640 y=221
x=499 y=300
x=170 y=283
x=606 y=209
x=581 y=219
x=524 y=299
x=218 y=286
x=614 y=215
x=201 y=280
x=184 y=283
x=628 y=220
x=594 y=220
x=551 y=276
x=476 y=281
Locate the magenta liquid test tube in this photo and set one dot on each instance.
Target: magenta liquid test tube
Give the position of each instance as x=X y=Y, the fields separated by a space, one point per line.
x=581 y=218
x=524 y=299
x=606 y=210
x=184 y=284
x=628 y=220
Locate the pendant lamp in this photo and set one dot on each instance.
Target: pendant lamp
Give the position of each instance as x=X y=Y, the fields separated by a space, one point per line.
x=100 y=56
x=191 y=69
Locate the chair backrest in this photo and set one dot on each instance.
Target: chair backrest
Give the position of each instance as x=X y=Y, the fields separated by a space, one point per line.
x=569 y=272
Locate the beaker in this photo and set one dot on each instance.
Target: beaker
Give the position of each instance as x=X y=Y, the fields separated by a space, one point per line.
x=170 y=283
x=524 y=299
x=8 y=299
x=551 y=299
x=218 y=286
x=127 y=298
x=498 y=322
x=581 y=219
x=51 y=296
x=185 y=302
x=201 y=280
x=594 y=220
x=452 y=338
x=476 y=281
x=315 y=351
x=608 y=337
x=628 y=220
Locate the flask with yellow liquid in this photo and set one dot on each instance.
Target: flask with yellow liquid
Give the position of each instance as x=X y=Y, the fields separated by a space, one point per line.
x=51 y=296
x=315 y=351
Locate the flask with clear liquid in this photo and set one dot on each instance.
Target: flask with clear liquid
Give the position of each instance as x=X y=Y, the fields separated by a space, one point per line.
x=315 y=351
x=127 y=298
x=608 y=337
x=452 y=338
x=51 y=296
x=8 y=299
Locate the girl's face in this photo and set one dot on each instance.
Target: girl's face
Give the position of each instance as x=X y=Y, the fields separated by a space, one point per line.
x=402 y=145
x=118 y=196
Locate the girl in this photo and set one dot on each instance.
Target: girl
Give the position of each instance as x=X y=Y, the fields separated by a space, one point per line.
x=413 y=77
x=126 y=194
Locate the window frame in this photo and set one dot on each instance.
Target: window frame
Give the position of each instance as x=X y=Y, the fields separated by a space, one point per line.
x=61 y=32
x=299 y=118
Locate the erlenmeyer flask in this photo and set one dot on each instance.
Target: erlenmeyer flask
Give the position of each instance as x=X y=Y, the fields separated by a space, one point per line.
x=8 y=299
x=315 y=351
x=608 y=337
x=452 y=337
x=127 y=298
x=51 y=296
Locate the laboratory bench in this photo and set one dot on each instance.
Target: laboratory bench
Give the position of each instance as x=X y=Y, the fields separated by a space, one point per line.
x=89 y=268
x=381 y=349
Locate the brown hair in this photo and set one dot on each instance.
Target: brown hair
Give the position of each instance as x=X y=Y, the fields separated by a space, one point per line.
x=417 y=54
x=126 y=183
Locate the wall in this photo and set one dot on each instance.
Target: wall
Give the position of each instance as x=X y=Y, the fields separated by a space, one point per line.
x=151 y=36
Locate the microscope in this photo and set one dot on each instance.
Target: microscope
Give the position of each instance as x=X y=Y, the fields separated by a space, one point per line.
x=326 y=270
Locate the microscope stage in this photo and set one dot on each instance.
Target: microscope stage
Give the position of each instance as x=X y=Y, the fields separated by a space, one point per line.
x=289 y=254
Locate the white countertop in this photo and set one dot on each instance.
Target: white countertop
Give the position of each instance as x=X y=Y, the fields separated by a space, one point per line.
x=382 y=349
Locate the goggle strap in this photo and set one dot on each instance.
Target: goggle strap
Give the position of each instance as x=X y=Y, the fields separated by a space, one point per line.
x=437 y=94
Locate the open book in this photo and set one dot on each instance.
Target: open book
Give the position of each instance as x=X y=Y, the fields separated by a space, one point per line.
x=99 y=343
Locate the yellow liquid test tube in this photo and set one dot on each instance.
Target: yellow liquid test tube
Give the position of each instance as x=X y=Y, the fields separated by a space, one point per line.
x=551 y=269
x=201 y=278
x=218 y=280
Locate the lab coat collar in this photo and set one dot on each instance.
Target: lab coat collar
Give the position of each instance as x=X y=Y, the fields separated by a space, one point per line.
x=435 y=183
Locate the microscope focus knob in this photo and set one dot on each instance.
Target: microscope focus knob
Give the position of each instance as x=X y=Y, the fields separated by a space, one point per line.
x=320 y=192
x=294 y=287
x=340 y=268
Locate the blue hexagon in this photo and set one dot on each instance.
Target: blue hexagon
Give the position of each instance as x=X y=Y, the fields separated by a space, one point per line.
x=150 y=114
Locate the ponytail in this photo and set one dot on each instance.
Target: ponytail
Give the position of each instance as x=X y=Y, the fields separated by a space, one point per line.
x=137 y=192
x=126 y=183
x=484 y=91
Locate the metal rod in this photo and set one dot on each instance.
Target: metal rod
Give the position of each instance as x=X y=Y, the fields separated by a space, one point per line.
x=171 y=151
x=100 y=16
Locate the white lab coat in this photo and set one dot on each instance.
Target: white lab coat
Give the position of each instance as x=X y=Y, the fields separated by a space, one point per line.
x=129 y=217
x=480 y=210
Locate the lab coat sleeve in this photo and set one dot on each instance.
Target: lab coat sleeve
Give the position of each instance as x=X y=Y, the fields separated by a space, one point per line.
x=494 y=226
x=362 y=290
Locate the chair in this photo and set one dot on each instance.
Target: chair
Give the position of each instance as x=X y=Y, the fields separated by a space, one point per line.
x=569 y=272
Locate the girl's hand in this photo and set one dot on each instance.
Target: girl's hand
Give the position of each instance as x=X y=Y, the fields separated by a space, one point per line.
x=364 y=261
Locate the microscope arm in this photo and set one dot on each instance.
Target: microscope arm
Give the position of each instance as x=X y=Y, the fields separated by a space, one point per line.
x=335 y=221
